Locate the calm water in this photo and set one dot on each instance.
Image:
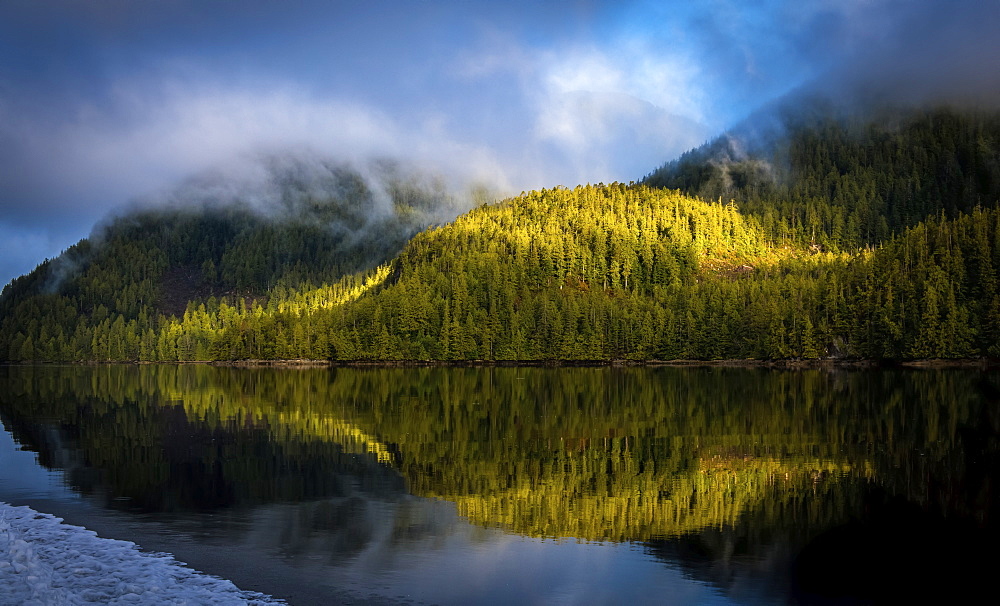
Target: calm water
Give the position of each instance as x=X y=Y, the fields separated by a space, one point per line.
x=525 y=485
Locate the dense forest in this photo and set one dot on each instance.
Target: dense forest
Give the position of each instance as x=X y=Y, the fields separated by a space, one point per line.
x=839 y=239
x=837 y=180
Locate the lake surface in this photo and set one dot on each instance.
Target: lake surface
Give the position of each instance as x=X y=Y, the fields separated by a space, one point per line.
x=525 y=485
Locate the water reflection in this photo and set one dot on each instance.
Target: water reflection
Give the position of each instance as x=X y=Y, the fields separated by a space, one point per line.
x=142 y=450
x=756 y=481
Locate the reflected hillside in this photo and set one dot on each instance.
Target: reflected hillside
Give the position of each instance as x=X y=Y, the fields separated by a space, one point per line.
x=171 y=439
x=633 y=454
x=638 y=454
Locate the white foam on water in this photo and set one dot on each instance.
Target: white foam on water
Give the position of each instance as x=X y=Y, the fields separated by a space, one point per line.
x=46 y=562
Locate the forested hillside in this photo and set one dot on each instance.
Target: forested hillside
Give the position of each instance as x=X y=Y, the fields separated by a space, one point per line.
x=104 y=297
x=841 y=181
x=848 y=240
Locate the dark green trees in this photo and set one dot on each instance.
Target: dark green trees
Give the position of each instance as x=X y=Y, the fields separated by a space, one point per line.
x=842 y=181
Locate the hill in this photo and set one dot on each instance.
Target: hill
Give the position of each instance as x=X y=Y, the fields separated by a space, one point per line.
x=828 y=242
x=299 y=221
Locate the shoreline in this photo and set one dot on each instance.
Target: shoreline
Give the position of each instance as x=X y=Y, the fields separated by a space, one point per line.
x=790 y=364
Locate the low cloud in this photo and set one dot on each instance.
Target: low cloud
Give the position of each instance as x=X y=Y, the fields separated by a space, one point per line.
x=72 y=168
x=152 y=138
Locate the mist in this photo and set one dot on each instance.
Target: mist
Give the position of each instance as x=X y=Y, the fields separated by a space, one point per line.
x=353 y=199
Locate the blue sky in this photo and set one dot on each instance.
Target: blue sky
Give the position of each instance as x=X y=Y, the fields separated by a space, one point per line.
x=107 y=101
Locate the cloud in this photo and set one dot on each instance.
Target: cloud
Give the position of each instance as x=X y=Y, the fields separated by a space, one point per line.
x=68 y=169
x=152 y=136
x=587 y=113
x=861 y=53
x=928 y=52
x=603 y=135
x=151 y=133
x=614 y=115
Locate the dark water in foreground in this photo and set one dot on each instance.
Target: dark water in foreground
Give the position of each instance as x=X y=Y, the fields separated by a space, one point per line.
x=526 y=485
